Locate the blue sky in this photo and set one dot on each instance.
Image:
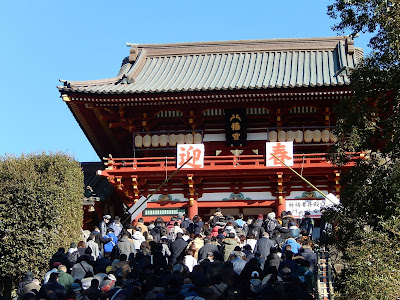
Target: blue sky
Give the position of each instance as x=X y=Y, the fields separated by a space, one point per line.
x=44 y=41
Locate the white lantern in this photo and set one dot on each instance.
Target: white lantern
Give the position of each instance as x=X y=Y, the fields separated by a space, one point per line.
x=163 y=140
x=197 y=138
x=155 y=140
x=298 y=136
x=273 y=136
x=147 y=141
x=281 y=136
x=332 y=137
x=138 y=141
x=325 y=136
x=308 y=135
x=317 y=136
x=189 y=138
x=180 y=138
x=290 y=136
x=172 y=140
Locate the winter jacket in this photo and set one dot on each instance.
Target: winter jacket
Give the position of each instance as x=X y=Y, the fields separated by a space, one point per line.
x=177 y=247
x=143 y=227
x=295 y=246
x=79 y=270
x=48 y=290
x=65 y=279
x=108 y=247
x=125 y=246
x=202 y=254
x=117 y=227
x=95 y=249
x=307 y=253
x=228 y=246
x=264 y=246
x=273 y=260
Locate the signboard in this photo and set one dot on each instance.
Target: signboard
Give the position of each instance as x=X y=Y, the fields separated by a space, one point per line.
x=235 y=127
x=299 y=207
x=282 y=150
x=193 y=151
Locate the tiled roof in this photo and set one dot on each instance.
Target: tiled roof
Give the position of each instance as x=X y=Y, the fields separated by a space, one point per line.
x=235 y=65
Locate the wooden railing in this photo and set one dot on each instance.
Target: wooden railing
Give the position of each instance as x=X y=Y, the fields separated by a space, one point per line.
x=216 y=162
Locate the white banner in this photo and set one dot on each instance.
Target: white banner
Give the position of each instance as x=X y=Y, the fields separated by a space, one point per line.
x=282 y=150
x=193 y=151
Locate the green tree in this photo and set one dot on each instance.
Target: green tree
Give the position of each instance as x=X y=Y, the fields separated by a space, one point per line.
x=367 y=230
x=41 y=210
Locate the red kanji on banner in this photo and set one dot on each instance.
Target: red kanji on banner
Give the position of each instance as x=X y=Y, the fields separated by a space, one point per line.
x=193 y=151
x=283 y=151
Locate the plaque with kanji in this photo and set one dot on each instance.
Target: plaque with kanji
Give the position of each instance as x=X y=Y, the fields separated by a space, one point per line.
x=282 y=150
x=193 y=151
x=235 y=127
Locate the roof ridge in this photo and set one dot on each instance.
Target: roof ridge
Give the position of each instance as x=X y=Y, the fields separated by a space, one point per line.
x=324 y=43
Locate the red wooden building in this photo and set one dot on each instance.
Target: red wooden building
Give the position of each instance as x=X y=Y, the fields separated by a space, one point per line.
x=164 y=94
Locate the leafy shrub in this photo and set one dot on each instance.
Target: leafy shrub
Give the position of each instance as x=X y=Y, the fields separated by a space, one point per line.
x=41 y=210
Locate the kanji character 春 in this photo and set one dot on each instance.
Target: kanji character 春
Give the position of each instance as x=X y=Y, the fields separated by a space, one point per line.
x=280 y=151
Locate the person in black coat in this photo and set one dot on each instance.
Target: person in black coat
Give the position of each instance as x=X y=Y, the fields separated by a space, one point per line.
x=93 y=292
x=60 y=257
x=52 y=290
x=264 y=246
x=273 y=259
x=177 y=247
x=208 y=247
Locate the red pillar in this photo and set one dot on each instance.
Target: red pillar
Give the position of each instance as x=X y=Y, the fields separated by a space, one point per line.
x=192 y=208
x=281 y=206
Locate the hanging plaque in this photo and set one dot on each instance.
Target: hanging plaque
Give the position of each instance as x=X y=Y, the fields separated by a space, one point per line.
x=236 y=127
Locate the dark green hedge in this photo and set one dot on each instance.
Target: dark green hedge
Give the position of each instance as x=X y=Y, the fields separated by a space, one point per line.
x=41 y=210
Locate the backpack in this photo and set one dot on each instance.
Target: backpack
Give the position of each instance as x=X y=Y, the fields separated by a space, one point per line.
x=214 y=220
x=270 y=226
x=118 y=272
x=163 y=231
x=256 y=231
x=72 y=257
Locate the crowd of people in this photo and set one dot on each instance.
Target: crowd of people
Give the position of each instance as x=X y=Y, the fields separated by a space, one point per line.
x=183 y=258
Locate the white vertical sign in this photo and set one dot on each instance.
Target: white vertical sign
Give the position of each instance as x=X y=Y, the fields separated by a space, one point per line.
x=282 y=150
x=193 y=151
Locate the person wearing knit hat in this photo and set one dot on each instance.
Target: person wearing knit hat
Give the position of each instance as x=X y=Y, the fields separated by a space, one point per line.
x=260 y=216
x=26 y=280
x=255 y=284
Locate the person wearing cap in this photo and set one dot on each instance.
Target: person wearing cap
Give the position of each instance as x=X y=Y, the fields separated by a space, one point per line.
x=54 y=269
x=103 y=224
x=255 y=285
x=72 y=254
x=307 y=225
x=28 y=278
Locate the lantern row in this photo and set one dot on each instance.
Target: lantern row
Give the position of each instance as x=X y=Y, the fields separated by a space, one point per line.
x=164 y=140
x=299 y=136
